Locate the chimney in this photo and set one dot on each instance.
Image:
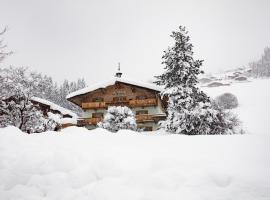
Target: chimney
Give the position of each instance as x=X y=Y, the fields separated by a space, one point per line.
x=118 y=73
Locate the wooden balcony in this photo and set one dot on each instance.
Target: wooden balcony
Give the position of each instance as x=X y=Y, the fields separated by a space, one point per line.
x=139 y=119
x=143 y=102
x=130 y=103
x=89 y=121
x=117 y=103
x=144 y=118
x=94 y=105
x=149 y=118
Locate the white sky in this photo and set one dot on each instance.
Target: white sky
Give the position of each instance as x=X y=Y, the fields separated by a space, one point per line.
x=68 y=39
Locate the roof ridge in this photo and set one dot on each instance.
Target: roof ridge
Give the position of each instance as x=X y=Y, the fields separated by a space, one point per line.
x=111 y=82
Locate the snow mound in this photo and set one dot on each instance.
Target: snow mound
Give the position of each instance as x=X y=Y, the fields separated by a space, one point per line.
x=254 y=107
x=81 y=164
x=11 y=130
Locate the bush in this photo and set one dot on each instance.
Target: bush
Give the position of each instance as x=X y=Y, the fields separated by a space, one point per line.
x=216 y=84
x=241 y=78
x=227 y=101
x=118 y=118
x=205 y=80
x=226 y=122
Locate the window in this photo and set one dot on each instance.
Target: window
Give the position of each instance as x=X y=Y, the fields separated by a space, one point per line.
x=147 y=128
x=142 y=112
x=118 y=86
x=119 y=99
x=97 y=115
x=141 y=97
x=98 y=99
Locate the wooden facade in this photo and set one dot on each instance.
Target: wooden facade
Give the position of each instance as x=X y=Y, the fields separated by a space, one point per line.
x=144 y=102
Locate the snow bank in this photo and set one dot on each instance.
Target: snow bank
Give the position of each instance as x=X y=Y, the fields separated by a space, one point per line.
x=81 y=164
x=254 y=103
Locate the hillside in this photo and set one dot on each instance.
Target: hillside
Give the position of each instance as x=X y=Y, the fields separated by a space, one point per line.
x=98 y=165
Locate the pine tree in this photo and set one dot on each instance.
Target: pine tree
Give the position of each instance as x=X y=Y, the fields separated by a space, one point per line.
x=118 y=118
x=190 y=110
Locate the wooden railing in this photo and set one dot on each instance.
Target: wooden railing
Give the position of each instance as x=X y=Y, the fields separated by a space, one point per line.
x=117 y=103
x=143 y=102
x=139 y=118
x=131 y=103
x=94 y=105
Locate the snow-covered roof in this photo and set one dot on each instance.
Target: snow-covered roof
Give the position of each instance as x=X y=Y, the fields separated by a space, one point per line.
x=68 y=121
x=112 y=82
x=54 y=106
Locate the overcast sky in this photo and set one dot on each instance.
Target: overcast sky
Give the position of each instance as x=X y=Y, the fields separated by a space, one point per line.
x=68 y=39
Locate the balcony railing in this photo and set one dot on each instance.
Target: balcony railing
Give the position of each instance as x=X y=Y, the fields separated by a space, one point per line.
x=94 y=105
x=131 y=103
x=143 y=102
x=139 y=119
x=117 y=103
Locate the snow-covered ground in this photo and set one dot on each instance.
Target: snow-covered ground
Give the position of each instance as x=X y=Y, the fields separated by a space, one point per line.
x=254 y=103
x=81 y=164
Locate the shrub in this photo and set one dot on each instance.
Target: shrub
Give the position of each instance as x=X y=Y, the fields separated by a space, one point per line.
x=241 y=78
x=205 y=80
x=227 y=101
x=117 y=118
x=216 y=84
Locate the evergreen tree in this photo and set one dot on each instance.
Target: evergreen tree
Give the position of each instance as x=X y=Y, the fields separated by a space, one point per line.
x=118 y=118
x=190 y=110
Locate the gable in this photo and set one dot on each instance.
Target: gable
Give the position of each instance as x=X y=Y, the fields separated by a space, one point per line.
x=86 y=94
x=117 y=90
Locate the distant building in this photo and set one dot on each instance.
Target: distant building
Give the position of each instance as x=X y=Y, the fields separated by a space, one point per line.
x=143 y=98
x=67 y=117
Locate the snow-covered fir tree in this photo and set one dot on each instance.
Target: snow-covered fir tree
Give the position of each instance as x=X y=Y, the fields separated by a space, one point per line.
x=190 y=111
x=117 y=118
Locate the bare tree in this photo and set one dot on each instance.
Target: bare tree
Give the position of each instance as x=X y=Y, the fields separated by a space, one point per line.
x=3 y=52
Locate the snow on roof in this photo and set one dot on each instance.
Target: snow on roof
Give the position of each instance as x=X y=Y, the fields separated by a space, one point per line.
x=54 y=106
x=68 y=121
x=112 y=82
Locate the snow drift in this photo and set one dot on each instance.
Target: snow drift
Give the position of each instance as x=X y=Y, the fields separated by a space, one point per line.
x=81 y=164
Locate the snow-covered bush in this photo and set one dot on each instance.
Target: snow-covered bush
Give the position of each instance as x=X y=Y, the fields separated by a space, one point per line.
x=227 y=101
x=118 y=117
x=190 y=110
x=18 y=111
x=216 y=84
x=241 y=78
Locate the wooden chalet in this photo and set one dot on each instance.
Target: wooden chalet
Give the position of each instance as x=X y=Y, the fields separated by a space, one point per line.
x=143 y=99
x=67 y=117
